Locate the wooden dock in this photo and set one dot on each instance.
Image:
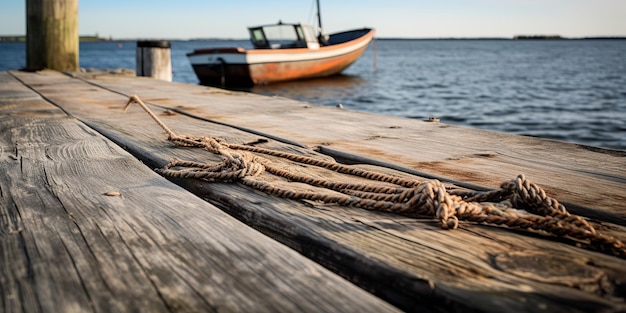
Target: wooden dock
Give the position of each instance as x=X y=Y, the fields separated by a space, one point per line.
x=87 y=225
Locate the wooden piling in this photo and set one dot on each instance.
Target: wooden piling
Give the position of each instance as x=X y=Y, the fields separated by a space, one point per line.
x=153 y=59
x=52 y=35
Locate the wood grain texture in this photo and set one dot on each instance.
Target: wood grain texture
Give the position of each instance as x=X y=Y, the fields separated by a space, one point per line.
x=411 y=263
x=84 y=227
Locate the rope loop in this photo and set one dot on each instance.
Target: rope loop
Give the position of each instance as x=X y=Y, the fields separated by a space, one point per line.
x=531 y=197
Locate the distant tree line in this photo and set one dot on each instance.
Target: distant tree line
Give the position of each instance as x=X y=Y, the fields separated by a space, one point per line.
x=535 y=37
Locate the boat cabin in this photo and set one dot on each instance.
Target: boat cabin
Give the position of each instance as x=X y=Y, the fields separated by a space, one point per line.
x=283 y=36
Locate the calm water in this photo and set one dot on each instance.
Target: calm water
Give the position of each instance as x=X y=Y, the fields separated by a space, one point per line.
x=570 y=90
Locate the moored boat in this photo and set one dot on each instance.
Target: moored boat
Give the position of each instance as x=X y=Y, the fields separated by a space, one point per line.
x=281 y=52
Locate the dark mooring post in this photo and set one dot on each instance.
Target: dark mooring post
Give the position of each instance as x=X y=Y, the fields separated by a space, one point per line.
x=52 y=35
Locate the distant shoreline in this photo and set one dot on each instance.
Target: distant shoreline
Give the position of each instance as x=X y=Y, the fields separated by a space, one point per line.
x=21 y=38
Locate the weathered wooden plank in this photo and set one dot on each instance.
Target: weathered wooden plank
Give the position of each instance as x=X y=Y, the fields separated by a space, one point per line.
x=412 y=263
x=84 y=227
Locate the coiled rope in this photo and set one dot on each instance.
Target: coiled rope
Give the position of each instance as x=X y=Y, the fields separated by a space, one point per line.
x=430 y=198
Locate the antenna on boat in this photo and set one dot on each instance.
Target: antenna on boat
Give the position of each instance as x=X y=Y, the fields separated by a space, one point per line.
x=320 y=33
x=319 y=19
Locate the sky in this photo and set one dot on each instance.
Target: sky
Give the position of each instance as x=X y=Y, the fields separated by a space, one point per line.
x=188 y=19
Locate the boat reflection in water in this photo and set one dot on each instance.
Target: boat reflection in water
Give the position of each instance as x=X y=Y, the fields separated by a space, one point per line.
x=318 y=90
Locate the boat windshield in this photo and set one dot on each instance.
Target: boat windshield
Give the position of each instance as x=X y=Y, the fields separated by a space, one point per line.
x=279 y=36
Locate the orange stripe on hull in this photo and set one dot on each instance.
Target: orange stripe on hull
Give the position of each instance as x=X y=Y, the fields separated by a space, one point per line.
x=275 y=72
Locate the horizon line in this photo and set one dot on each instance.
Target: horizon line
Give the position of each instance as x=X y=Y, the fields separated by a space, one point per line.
x=4 y=38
